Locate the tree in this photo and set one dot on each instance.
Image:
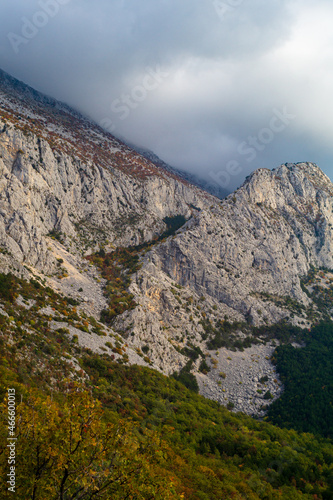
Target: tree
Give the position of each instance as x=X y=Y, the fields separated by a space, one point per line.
x=67 y=451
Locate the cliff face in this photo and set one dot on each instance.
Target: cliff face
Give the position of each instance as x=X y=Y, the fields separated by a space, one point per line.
x=68 y=188
x=262 y=238
x=242 y=257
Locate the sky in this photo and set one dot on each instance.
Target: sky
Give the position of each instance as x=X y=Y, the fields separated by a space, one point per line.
x=215 y=87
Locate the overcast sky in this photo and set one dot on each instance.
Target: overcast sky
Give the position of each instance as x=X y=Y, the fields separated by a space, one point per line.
x=218 y=88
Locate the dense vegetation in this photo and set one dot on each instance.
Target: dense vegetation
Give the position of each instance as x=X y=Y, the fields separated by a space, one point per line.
x=307 y=373
x=141 y=435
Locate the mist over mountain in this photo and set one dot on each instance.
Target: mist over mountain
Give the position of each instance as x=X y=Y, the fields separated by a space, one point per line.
x=196 y=82
x=211 y=187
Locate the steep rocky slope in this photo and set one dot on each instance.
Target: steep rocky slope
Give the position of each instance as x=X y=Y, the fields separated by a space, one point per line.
x=60 y=172
x=236 y=267
x=260 y=240
x=246 y=252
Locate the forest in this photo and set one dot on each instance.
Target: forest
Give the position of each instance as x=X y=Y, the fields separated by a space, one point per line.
x=307 y=374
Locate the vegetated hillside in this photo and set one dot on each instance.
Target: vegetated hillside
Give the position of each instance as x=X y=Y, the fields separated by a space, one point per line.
x=108 y=263
x=307 y=374
x=88 y=426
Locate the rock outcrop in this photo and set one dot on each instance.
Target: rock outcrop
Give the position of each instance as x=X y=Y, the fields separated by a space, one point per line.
x=242 y=258
x=255 y=244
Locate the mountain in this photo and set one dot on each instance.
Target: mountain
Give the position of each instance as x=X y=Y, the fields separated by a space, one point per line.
x=182 y=278
x=125 y=290
x=93 y=176
x=243 y=260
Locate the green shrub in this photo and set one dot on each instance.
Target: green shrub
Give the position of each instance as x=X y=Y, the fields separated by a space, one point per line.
x=204 y=368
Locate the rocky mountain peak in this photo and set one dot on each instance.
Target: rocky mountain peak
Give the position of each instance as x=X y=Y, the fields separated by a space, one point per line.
x=289 y=184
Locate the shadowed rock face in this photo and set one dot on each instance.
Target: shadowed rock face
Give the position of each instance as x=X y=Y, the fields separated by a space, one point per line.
x=68 y=188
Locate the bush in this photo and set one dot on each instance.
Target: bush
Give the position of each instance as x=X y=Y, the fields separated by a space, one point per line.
x=187 y=378
x=204 y=368
x=8 y=287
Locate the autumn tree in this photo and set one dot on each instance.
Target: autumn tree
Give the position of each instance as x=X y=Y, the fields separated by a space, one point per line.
x=67 y=451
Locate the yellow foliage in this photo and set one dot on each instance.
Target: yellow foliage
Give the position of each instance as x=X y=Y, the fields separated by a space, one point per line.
x=63 y=449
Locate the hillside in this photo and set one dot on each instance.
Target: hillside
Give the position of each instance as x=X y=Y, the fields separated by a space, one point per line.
x=88 y=426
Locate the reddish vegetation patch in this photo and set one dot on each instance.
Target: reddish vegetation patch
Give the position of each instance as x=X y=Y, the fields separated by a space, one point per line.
x=77 y=136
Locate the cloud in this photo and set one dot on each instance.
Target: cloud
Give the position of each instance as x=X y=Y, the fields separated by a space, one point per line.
x=221 y=69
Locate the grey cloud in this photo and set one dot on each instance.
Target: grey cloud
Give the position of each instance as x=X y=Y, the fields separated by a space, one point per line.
x=225 y=75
